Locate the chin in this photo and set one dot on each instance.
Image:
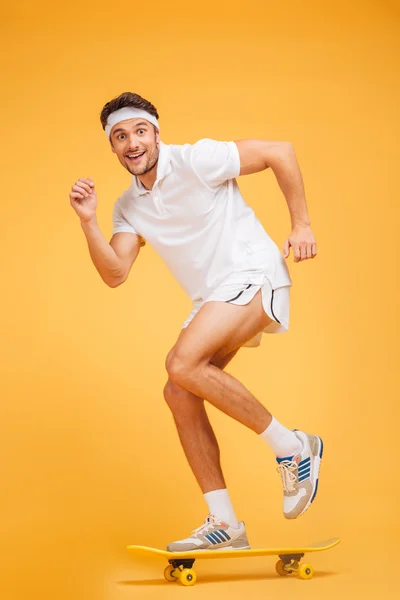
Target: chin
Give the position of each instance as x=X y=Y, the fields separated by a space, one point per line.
x=135 y=171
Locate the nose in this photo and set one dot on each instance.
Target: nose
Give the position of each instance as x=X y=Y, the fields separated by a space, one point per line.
x=132 y=142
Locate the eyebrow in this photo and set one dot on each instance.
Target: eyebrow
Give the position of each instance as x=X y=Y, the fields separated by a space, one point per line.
x=136 y=125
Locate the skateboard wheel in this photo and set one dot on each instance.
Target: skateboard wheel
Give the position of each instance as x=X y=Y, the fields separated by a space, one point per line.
x=169 y=573
x=305 y=571
x=187 y=577
x=279 y=568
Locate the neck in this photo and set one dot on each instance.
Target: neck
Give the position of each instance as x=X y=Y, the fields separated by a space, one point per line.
x=149 y=178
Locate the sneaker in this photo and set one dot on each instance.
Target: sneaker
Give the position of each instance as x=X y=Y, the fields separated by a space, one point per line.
x=300 y=475
x=214 y=534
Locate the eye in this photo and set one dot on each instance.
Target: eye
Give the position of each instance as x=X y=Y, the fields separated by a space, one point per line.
x=121 y=136
x=139 y=130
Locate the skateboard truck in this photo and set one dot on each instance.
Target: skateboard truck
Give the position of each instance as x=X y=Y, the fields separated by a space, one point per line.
x=181 y=569
x=289 y=563
x=185 y=563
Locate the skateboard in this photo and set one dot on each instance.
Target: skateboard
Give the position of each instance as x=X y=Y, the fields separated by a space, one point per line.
x=180 y=566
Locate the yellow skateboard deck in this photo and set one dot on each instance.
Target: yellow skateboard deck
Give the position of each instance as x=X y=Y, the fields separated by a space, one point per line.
x=180 y=566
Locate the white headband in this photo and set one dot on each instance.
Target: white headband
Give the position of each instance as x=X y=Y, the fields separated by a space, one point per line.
x=128 y=113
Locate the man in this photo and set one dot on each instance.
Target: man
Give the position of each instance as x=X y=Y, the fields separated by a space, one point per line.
x=184 y=200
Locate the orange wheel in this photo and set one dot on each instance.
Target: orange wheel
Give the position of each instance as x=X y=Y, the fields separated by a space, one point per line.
x=280 y=569
x=169 y=573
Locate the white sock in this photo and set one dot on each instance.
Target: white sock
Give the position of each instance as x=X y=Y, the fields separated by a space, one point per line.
x=282 y=441
x=220 y=505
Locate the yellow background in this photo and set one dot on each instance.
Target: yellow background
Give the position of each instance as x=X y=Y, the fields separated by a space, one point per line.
x=90 y=460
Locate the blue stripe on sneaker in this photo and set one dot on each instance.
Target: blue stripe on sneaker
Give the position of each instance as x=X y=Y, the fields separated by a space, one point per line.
x=301 y=473
x=219 y=537
x=303 y=469
x=214 y=538
x=211 y=539
x=307 y=469
x=316 y=483
x=315 y=491
x=304 y=477
x=279 y=460
x=304 y=462
x=222 y=532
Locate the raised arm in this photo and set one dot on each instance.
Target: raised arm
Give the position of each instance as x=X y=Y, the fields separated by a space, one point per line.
x=113 y=260
x=258 y=155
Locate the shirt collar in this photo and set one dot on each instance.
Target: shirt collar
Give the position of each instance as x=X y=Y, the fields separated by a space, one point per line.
x=163 y=168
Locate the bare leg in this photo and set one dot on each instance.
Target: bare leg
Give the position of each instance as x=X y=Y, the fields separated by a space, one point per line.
x=196 y=434
x=189 y=362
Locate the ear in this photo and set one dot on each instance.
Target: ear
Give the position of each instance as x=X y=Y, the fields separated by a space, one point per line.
x=157 y=135
x=112 y=147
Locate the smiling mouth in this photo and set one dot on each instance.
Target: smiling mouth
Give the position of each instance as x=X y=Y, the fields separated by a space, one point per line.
x=134 y=157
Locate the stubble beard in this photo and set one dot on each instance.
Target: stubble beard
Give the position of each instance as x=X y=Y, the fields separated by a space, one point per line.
x=150 y=164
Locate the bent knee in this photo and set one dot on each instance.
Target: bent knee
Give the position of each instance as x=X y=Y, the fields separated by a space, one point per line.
x=178 y=398
x=178 y=367
x=173 y=392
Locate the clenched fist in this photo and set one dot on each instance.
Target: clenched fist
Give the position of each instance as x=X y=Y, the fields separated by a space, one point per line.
x=302 y=241
x=83 y=199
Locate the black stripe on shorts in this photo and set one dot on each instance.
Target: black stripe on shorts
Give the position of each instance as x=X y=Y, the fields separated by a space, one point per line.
x=240 y=293
x=272 y=309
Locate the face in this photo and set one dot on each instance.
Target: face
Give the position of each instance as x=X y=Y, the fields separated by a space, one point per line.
x=136 y=145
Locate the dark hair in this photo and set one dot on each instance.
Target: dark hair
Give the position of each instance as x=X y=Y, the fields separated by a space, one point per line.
x=123 y=100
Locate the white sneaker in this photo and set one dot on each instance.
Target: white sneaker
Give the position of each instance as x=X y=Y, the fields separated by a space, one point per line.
x=299 y=475
x=214 y=534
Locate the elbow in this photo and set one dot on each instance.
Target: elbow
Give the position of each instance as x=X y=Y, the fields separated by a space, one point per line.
x=288 y=147
x=113 y=283
x=285 y=152
x=276 y=153
x=116 y=280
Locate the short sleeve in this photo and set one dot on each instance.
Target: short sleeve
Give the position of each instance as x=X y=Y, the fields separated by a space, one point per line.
x=214 y=162
x=120 y=224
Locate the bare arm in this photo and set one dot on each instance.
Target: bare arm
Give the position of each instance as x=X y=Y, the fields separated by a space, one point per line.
x=112 y=260
x=258 y=155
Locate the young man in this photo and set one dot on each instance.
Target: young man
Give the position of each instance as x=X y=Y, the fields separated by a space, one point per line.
x=184 y=200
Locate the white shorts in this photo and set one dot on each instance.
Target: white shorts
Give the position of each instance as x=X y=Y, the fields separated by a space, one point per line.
x=276 y=304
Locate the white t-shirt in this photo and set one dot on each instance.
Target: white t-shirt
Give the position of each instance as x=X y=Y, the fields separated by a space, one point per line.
x=198 y=222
